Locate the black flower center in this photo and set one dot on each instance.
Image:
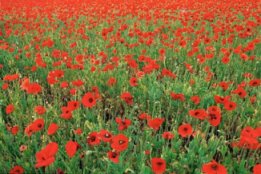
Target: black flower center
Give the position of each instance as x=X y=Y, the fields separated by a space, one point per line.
x=212 y=116
x=113 y=155
x=214 y=167
x=93 y=138
x=159 y=163
x=90 y=100
x=39 y=125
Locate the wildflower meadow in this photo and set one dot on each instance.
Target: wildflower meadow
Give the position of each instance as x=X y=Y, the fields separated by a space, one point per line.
x=130 y=87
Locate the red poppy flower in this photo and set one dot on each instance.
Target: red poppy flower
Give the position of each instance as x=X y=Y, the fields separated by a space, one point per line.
x=168 y=135
x=225 y=60
x=22 y=148
x=257 y=169
x=77 y=83
x=189 y=67
x=133 y=82
x=114 y=156
x=247 y=143
x=64 y=84
x=48 y=43
x=123 y=123
x=105 y=135
x=255 y=82
x=66 y=113
x=214 y=115
x=89 y=100
x=248 y=132
x=38 y=124
x=176 y=96
x=34 y=88
x=5 y=86
x=155 y=123
x=73 y=91
x=17 y=170
x=11 y=77
x=52 y=129
x=144 y=116
x=162 y=51
x=29 y=130
x=14 y=130
x=78 y=131
x=213 y=168
x=140 y=74
x=147 y=152
x=249 y=138
x=127 y=97
x=72 y=45
x=112 y=81
x=198 y=113
x=224 y=85
x=93 y=139
x=214 y=118
x=9 y=109
x=252 y=99
x=46 y=156
x=230 y=105
x=240 y=92
x=119 y=142
x=158 y=165
x=185 y=130
x=167 y=73
x=222 y=100
x=73 y=105
x=195 y=99
x=71 y=148
x=40 y=110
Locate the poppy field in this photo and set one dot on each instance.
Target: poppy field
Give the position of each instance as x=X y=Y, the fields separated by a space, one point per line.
x=130 y=87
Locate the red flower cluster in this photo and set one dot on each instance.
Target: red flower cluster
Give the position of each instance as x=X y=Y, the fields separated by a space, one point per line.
x=177 y=96
x=214 y=115
x=35 y=126
x=213 y=168
x=123 y=123
x=249 y=138
x=155 y=123
x=85 y=65
x=30 y=88
x=9 y=109
x=46 y=156
x=17 y=170
x=118 y=143
x=127 y=97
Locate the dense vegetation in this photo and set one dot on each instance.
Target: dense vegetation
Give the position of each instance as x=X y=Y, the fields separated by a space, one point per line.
x=138 y=86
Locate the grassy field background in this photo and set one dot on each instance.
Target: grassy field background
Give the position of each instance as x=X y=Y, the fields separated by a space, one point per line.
x=130 y=86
